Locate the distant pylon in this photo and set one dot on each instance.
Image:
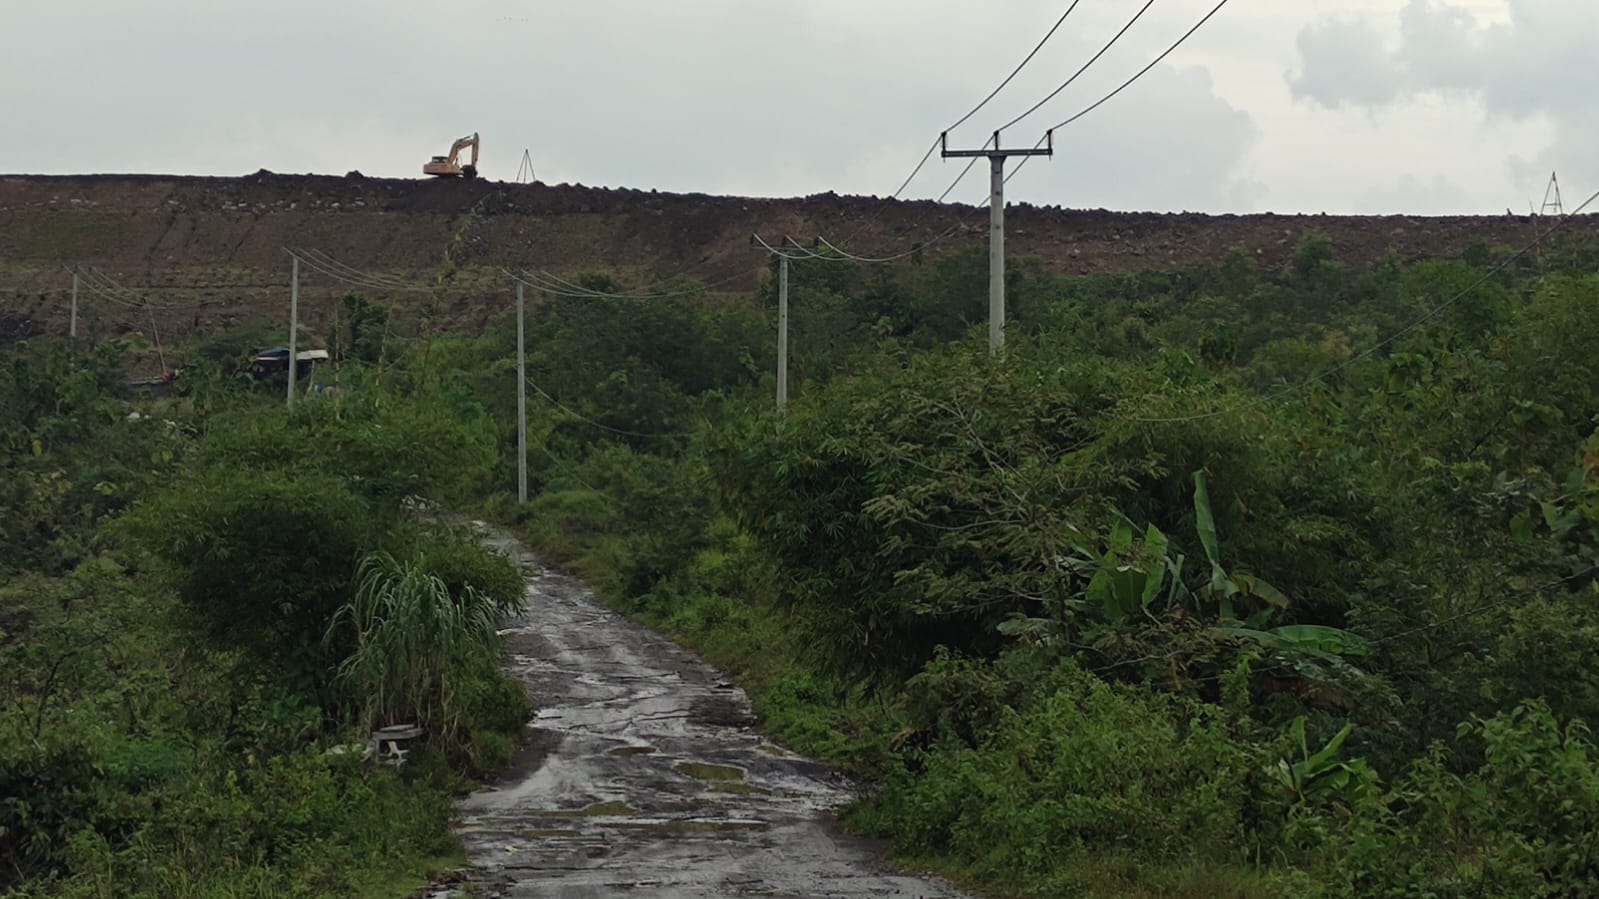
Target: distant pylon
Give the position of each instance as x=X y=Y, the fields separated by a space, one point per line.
x=1551 y=198
x=524 y=172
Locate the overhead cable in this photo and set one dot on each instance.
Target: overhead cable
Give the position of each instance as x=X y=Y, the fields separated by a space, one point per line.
x=546 y=283
x=1018 y=70
x=1124 y=85
x=1078 y=74
x=323 y=264
x=669 y=435
x=353 y=273
x=1145 y=70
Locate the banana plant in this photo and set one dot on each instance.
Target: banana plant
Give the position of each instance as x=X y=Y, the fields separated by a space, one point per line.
x=1226 y=589
x=1126 y=579
x=1321 y=777
x=1137 y=576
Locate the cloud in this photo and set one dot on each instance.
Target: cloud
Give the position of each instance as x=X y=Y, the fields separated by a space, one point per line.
x=1168 y=143
x=1535 y=65
x=696 y=95
x=1411 y=192
x=1366 y=75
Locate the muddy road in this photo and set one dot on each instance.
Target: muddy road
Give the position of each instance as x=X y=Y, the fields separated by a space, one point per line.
x=645 y=776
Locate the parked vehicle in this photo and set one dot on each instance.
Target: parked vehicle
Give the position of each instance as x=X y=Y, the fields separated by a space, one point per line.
x=276 y=361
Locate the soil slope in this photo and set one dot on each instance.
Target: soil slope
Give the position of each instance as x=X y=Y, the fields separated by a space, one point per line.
x=210 y=251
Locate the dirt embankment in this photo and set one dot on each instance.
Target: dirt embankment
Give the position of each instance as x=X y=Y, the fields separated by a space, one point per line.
x=209 y=252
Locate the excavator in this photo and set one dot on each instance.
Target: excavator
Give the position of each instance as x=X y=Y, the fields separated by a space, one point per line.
x=450 y=166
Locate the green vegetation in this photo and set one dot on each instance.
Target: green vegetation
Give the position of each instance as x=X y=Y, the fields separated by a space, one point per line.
x=190 y=640
x=1220 y=582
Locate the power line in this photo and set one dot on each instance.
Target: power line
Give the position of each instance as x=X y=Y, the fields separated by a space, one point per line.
x=844 y=255
x=878 y=260
x=1480 y=608
x=668 y=435
x=1018 y=70
x=1078 y=74
x=1376 y=347
x=993 y=139
x=562 y=282
x=338 y=271
x=326 y=260
x=546 y=283
x=983 y=103
x=1145 y=70
x=916 y=171
x=1129 y=82
x=108 y=289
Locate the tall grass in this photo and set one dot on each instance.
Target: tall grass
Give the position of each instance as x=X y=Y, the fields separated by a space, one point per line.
x=415 y=644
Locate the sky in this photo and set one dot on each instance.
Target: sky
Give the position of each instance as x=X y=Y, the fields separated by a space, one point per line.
x=1336 y=106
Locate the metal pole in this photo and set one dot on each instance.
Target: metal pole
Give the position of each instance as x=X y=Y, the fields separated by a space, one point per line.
x=73 y=332
x=782 y=332
x=996 y=256
x=521 y=404
x=294 y=328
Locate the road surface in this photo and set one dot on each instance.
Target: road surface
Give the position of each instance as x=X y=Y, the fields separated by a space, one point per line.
x=644 y=776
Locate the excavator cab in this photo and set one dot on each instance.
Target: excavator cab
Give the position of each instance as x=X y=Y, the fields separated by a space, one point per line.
x=451 y=166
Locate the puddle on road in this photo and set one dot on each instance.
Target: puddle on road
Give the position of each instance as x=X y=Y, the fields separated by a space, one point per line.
x=741 y=789
x=691 y=825
x=612 y=809
x=551 y=834
x=630 y=751
x=719 y=774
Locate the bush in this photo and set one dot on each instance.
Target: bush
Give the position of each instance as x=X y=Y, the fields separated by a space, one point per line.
x=1085 y=767
x=1523 y=824
x=261 y=559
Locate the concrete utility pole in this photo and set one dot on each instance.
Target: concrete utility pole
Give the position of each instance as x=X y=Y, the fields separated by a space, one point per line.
x=782 y=333
x=73 y=329
x=996 y=236
x=782 y=318
x=294 y=327
x=521 y=404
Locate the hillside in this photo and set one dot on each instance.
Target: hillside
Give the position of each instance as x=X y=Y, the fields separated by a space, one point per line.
x=211 y=250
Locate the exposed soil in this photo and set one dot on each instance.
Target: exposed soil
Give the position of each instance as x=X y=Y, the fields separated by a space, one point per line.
x=644 y=775
x=209 y=252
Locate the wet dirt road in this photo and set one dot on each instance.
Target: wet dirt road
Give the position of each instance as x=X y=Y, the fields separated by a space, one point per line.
x=644 y=776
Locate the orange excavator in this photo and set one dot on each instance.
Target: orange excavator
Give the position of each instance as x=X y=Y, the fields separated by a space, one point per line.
x=450 y=166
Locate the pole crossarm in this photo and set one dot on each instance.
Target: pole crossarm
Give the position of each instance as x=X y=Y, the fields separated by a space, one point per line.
x=995 y=152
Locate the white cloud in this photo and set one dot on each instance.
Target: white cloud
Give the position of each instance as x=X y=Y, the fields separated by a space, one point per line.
x=1270 y=106
x=1531 y=67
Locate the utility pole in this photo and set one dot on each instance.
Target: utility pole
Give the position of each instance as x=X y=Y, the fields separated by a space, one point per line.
x=294 y=327
x=1551 y=198
x=73 y=330
x=782 y=318
x=996 y=215
x=782 y=333
x=521 y=404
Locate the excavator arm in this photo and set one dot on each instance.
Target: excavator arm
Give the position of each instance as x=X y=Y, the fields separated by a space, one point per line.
x=465 y=142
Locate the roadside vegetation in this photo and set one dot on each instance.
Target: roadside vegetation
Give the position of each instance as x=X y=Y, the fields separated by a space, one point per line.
x=206 y=603
x=1220 y=582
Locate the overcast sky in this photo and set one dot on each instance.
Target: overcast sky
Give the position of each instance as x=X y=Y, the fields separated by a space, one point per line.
x=1362 y=106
